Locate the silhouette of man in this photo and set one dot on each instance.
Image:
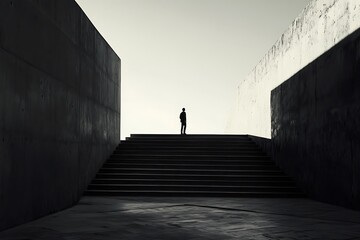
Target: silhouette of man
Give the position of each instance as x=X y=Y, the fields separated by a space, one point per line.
x=183 y=121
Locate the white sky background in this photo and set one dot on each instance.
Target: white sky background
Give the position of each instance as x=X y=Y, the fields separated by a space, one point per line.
x=186 y=53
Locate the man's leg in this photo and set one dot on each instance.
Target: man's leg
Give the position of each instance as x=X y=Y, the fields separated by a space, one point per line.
x=181 y=130
x=185 y=128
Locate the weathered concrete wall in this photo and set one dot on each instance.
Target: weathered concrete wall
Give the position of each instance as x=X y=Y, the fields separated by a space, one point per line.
x=59 y=105
x=316 y=125
x=321 y=25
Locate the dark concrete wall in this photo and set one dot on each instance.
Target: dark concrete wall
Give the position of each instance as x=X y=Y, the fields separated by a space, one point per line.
x=59 y=105
x=316 y=125
x=264 y=143
x=321 y=25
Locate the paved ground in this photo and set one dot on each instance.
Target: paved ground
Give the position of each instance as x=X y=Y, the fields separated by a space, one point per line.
x=192 y=218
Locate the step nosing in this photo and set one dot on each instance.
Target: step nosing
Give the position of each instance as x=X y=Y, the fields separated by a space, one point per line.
x=178 y=185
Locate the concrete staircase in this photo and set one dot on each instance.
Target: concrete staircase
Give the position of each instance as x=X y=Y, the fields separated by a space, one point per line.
x=191 y=165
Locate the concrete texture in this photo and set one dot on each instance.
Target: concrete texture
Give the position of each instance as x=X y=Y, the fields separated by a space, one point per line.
x=59 y=104
x=109 y=218
x=315 y=125
x=321 y=25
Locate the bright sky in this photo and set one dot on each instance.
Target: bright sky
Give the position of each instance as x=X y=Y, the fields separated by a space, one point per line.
x=186 y=53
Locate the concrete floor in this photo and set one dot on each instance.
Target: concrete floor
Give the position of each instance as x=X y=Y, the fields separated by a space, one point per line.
x=192 y=218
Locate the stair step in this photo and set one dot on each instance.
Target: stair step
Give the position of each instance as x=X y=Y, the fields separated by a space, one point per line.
x=191 y=171
x=189 y=145
x=175 y=143
x=194 y=182
x=190 y=136
x=189 y=140
x=184 y=152
x=186 y=161
x=248 y=166
x=189 y=148
x=173 y=187
x=175 y=163
x=190 y=176
x=188 y=157
x=191 y=165
x=193 y=193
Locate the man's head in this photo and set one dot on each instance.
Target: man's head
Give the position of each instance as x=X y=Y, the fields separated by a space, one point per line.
x=183 y=109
